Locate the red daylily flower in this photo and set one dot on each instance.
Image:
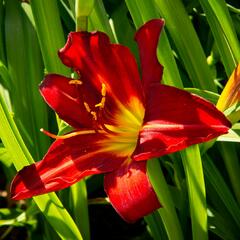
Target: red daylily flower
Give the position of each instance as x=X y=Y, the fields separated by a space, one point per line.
x=120 y=121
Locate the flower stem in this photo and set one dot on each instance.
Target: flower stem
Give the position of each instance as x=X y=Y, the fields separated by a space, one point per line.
x=82 y=11
x=81 y=23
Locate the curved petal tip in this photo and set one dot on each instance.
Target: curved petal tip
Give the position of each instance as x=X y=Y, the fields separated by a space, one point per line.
x=130 y=192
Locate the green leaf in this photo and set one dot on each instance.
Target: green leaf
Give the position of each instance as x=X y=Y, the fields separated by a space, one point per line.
x=5 y=76
x=220 y=10
x=28 y=11
x=26 y=69
x=221 y=226
x=231 y=136
x=156 y=226
x=17 y=217
x=2 y=42
x=80 y=207
x=223 y=193
x=49 y=204
x=5 y=157
x=187 y=43
x=232 y=164
x=98 y=20
x=66 y=16
x=142 y=11
x=210 y=96
x=215 y=20
x=196 y=191
x=50 y=34
x=124 y=28
x=167 y=212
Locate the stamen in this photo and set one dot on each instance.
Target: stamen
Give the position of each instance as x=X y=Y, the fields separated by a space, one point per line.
x=69 y=135
x=75 y=81
x=102 y=103
x=103 y=93
x=104 y=90
x=87 y=107
x=94 y=114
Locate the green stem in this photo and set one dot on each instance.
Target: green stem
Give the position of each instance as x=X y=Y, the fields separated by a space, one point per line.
x=81 y=23
x=83 y=9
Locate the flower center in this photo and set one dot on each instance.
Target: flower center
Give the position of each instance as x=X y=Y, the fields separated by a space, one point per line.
x=124 y=133
x=121 y=135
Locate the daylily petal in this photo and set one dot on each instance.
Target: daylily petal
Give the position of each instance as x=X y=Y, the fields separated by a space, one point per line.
x=67 y=100
x=176 y=119
x=147 y=40
x=66 y=162
x=231 y=92
x=98 y=61
x=130 y=191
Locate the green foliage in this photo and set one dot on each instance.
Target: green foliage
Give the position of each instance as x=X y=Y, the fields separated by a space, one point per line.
x=199 y=48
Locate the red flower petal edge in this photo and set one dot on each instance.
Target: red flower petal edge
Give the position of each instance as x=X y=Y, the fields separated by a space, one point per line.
x=107 y=104
x=66 y=162
x=147 y=40
x=98 y=61
x=176 y=119
x=130 y=191
x=66 y=100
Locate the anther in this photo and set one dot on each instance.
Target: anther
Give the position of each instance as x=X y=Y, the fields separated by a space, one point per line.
x=94 y=114
x=75 y=81
x=102 y=103
x=103 y=93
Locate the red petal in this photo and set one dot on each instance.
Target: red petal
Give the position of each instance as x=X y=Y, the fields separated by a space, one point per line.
x=147 y=39
x=67 y=100
x=66 y=162
x=176 y=119
x=130 y=191
x=98 y=61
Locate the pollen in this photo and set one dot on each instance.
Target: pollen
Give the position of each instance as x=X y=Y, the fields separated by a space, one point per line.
x=75 y=81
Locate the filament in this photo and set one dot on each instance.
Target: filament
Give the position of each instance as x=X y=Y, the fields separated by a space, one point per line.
x=69 y=135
